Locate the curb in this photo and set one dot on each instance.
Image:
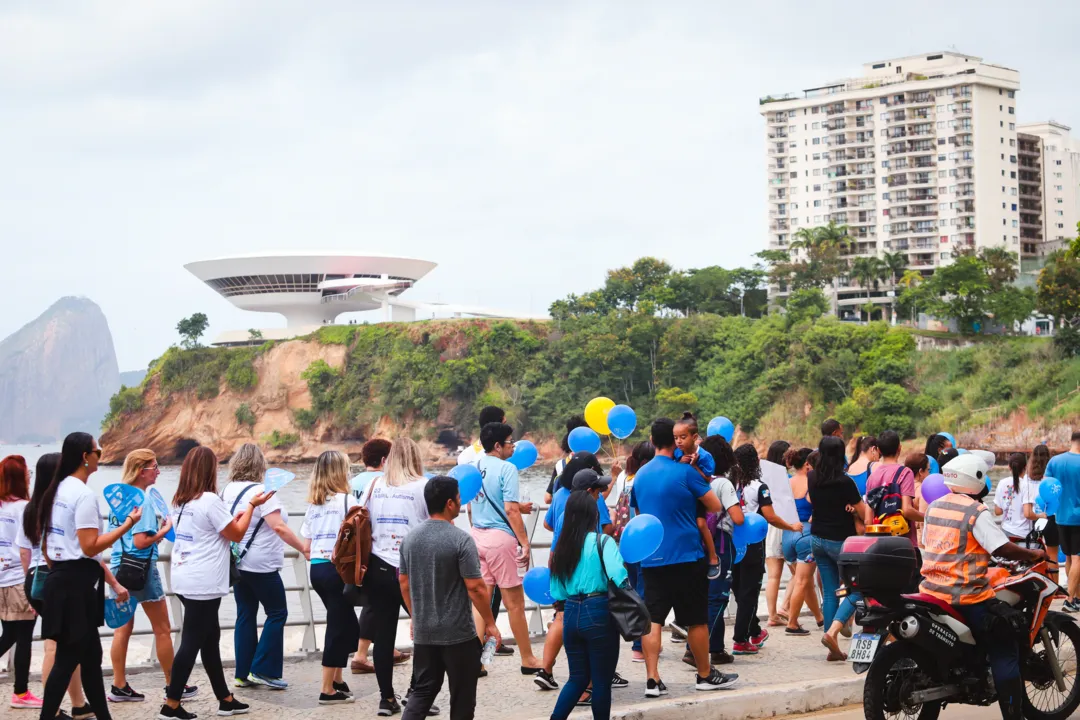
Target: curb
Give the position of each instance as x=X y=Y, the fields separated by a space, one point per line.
x=757 y=702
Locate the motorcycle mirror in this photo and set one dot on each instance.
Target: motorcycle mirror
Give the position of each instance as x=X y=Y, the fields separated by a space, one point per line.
x=1040 y=524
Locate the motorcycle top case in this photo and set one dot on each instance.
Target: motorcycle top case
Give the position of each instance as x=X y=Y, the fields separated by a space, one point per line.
x=878 y=564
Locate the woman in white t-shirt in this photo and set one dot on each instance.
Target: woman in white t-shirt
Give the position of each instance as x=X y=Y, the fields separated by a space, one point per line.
x=204 y=527
x=329 y=501
x=1009 y=499
x=73 y=607
x=397 y=505
x=16 y=615
x=260 y=555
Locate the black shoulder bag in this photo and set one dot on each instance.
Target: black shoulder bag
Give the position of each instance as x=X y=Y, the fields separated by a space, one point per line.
x=625 y=605
x=133 y=570
x=236 y=556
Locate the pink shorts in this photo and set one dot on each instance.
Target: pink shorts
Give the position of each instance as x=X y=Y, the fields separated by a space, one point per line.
x=498 y=557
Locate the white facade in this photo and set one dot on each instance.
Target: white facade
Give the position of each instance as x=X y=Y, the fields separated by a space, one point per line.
x=918 y=156
x=1052 y=157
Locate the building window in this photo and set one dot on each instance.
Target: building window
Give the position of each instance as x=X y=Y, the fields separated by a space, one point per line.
x=1012 y=93
x=1012 y=126
x=1012 y=142
x=816 y=126
x=1014 y=207
x=1013 y=191
x=817 y=156
x=1012 y=110
x=817 y=141
x=1015 y=223
x=941 y=158
x=817 y=188
x=817 y=203
x=1012 y=174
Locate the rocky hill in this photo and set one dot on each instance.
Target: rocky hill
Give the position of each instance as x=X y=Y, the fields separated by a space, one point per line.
x=57 y=373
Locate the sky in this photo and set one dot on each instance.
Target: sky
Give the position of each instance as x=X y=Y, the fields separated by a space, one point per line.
x=526 y=148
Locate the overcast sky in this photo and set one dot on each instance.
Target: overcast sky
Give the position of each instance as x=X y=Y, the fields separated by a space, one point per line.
x=525 y=147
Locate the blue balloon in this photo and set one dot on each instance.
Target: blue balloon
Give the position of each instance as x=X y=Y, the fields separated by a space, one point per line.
x=122 y=499
x=525 y=454
x=162 y=509
x=1039 y=506
x=1049 y=488
x=584 y=439
x=1051 y=507
x=537 y=584
x=740 y=553
x=949 y=437
x=753 y=530
x=961 y=451
x=641 y=538
x=118 y=614
x=469 y=482
x=622 y=420
x=721 y=426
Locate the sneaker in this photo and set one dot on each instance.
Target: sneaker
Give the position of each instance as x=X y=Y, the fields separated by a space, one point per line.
x=655 y=688
x=272 y=683
x=1071 y=606
x=618 y=682
x=61 y=715
x=638 y=656
x=26 y=700
x=545 y=680
x=388 y=707
x=432 y=711
x=228 y=708
x=167 y=713
x=83 y=712
x=744 y=648
x=716 y=680
x=688 y=658
x=678 y=635
x=760 y=638
x=341 y=687
x=504 y=651
x=190 y=691
x=124 y=694
x=242 y=683
x=338 y=698
x=721 y=658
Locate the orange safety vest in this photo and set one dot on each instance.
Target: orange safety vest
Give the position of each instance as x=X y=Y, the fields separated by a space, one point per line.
x=954 y=563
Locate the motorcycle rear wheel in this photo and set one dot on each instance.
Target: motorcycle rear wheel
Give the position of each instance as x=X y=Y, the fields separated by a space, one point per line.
x=1043 y=700
x=899 y=669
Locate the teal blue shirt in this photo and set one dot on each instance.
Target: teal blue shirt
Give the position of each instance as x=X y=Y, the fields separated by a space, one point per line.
x=150 y=522
x=587 y=577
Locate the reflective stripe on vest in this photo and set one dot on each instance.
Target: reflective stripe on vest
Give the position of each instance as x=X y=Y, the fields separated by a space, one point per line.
x=954 y=563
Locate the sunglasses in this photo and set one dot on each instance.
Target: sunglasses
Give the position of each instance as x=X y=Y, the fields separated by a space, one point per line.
x=95 y=451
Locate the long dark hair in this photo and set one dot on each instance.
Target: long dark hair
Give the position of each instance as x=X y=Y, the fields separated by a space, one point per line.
x=579 y=519
x=643 y=452
x=747 y=467
x=580 y=461
x=933 y=445
x=1017 y=463
x=1040 y=456
x=722 y=454
x=43 y=475
x=863 y=445
x=829 y=466
x=777 y=451
x=76 y=446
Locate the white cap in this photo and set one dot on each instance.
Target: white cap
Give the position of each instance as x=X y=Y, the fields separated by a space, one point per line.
x=965 y=474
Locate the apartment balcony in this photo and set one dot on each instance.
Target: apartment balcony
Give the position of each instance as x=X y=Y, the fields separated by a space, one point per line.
x=777 y=225
x=964 y=143
x=777 y=150
x=777 y=166
x=914 y=116
x=860 y=141
x=965 y=162
x=962 y=111
x=781 y=179
x=920 y=132
x=855 y=173
x=898 y=181
x=835 y=109
x=966 y=208
x=924 y=164
x=1029 y=224
x=778 y=213
x=1024 y=149
x=778 y=196
x=917 y=212
x=924 y=197
x=896 y=133
x=779 y=119
x=779 y=133
x=917 y=99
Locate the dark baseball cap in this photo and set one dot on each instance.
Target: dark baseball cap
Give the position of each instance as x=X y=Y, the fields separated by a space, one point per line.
x=588 y=479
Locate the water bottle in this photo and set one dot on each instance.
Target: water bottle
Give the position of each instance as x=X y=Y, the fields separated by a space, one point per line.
x=523 y=497
x=488 y=653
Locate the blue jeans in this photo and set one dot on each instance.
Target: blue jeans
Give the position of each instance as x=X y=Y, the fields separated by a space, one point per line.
x=592 y=652
x=827 y=557
x=637 y=581
x=1001 y=647
x=262 y=655
x=720 y=591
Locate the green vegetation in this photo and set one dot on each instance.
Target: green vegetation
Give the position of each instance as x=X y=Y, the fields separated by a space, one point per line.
x=278 y=440
x=244 y=415
x=335 y=334
x=126 y=400
x=191 y=329
x=305 y=419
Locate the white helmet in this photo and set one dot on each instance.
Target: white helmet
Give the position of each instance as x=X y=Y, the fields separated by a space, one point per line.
x=965 y=474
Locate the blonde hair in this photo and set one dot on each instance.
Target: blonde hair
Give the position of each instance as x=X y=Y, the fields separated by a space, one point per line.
x=404 y=464
x=330 y=476
x=248 y=464
x=135 y=463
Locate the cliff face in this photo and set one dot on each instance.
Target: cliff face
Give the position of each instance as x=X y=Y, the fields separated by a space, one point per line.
x=57 y=373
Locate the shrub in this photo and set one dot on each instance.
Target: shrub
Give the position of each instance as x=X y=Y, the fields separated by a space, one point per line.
x=335 y=335
x=126 y=400
x=244 y=415
x=241 y=375
x=278 y=439
x=962 y=364
x=209 y=387
x=305 y=419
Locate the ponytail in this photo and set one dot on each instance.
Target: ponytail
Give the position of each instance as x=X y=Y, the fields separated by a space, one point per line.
x=1017 y=463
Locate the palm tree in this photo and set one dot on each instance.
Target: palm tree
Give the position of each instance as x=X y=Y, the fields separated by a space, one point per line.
x=910 y=279
x=895 y=264
x=823 y=246
x=867 y=270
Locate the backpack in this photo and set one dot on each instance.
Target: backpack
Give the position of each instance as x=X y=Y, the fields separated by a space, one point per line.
x=888 y=505
x=352 y=549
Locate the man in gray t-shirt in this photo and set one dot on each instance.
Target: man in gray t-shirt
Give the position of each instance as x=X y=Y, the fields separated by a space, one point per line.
x=440 y=579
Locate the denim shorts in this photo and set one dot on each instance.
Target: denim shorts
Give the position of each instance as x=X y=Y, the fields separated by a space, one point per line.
x=152 y=591
x=798 y=547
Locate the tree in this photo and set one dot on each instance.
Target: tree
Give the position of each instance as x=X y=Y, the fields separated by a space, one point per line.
x=867 y=270
x=895 y=265
x=911 y=297
x=806 y=304
x=646 y=279
x=191 y=329
x=1001 y=266
x=254 y=334
x=1058 y=293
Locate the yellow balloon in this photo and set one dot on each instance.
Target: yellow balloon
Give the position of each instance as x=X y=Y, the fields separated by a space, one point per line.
x=596 y=414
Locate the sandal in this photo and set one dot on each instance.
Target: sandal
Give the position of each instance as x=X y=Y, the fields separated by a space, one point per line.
x=585 y=700
x=835 y=655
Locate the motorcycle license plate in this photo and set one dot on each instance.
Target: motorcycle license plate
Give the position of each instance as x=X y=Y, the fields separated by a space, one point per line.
x=863 y=647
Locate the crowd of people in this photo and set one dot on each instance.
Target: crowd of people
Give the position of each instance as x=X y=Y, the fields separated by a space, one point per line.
x=453 y=583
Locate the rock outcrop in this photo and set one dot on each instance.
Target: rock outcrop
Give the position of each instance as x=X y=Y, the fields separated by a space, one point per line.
x=57 y=373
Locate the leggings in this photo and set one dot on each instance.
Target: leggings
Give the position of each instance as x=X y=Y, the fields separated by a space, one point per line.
x=342 y=630
x=746 y=584
x=84 y=653
x=384 y=603
x=200 y=636
x=20 y=634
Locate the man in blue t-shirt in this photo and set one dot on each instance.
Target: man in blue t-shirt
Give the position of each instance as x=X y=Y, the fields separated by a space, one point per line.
x=676 y=574
x=1066 y=468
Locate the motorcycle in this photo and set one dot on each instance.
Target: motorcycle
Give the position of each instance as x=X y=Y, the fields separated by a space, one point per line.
x=919 y=654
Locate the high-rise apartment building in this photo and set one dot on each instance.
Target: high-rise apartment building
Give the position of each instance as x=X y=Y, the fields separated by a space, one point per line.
x=917 y=156
x=1049 y=188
